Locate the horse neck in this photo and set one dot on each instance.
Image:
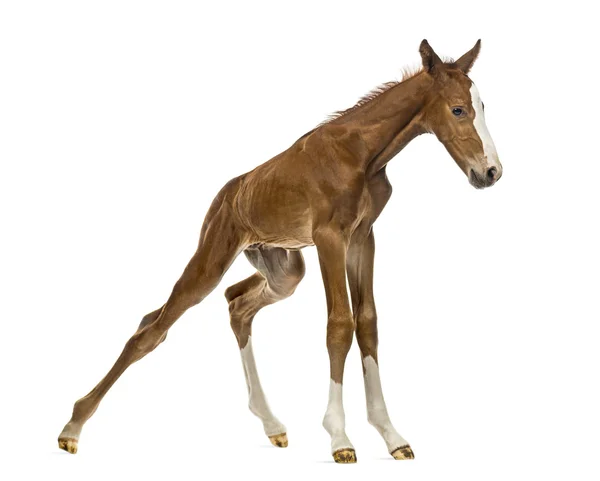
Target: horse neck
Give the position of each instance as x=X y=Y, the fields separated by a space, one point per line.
x=387 y=123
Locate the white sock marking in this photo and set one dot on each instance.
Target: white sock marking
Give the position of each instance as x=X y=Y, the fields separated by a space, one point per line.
x=334 y=421
x=257 y=400
x=376 y=409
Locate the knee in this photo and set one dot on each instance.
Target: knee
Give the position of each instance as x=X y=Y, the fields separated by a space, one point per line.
x=340 y=330
x=366 y=331
x=366 y=315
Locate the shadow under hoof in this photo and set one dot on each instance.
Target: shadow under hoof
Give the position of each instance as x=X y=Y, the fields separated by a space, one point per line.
x=345 y=456
x=403 y=452
x=68 y=444
x=279 y=440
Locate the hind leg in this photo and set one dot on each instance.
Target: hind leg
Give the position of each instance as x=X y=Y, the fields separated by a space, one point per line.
x=220 y=243
x=149 y=318
x=279 y=272
x=69 y=438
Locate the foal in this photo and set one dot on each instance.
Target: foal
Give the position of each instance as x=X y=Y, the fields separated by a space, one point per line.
x=326 y=190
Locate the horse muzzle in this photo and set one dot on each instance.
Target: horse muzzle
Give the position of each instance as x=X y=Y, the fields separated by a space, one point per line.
x=486 y=179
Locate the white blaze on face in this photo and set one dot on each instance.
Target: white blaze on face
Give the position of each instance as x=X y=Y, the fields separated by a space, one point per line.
x=489 y=149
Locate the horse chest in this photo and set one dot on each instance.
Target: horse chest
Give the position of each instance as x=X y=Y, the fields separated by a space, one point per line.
x=375 y=196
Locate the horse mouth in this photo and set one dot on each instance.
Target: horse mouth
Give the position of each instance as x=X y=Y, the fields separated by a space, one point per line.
x=477 y=181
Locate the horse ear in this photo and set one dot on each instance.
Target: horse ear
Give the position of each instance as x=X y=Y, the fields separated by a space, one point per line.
x=429 y=57
x=465 y=62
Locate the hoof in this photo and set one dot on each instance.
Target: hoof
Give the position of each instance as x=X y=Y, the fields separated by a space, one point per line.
x=279 y=440
x=68 y=444
x=403 y=452
x=345 y=456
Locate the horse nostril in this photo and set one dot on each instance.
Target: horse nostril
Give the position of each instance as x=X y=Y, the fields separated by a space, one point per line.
x=491 y=173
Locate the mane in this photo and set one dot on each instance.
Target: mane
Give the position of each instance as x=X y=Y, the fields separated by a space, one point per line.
x=407 y=73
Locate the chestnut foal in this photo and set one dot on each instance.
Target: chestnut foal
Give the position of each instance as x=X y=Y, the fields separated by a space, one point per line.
x=326 y=190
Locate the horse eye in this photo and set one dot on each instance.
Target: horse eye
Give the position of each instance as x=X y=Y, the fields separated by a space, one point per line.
x=457 y=111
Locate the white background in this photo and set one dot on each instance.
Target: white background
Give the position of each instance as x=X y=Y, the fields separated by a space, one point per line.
x=120 y=121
